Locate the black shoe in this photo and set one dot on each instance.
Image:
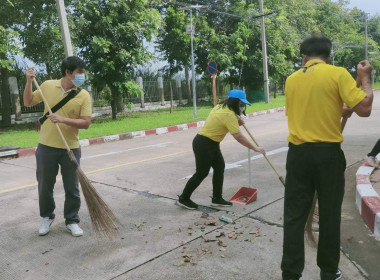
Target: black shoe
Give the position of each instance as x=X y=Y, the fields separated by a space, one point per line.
x=186 y=203
x=331 y=276
x=219 y=201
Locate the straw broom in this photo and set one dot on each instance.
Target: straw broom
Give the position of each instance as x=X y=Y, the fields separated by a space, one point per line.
x=104 y=222
x=313 y=215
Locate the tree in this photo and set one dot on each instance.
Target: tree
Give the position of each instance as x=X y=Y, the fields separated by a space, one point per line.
x=41 y=35
x=9 y=48
x=109 y=35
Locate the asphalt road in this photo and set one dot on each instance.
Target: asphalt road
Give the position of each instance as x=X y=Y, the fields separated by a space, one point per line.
x=141 y=178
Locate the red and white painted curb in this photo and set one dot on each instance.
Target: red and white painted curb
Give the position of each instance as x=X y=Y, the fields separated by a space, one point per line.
x=135 y=134
x=367 y=199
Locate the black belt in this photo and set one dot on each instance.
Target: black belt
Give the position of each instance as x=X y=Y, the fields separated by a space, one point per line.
x=316 y=145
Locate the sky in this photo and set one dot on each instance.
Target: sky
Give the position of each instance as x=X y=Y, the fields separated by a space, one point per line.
x=370 y=6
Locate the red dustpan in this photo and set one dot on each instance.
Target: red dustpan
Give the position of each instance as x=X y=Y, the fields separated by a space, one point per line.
x=245 y=195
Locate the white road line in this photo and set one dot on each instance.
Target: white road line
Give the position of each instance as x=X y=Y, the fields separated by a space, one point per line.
x=160 y=145
x=238 y=163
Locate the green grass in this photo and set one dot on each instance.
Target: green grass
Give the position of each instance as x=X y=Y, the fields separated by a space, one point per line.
x=377 y=85
x=25 y=136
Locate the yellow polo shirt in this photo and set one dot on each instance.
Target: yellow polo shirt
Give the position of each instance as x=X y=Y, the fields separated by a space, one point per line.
x=314 y=102
x=79 y=106
x=219 y=122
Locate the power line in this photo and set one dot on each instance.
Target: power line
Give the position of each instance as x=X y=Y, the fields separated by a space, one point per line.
x=223 y=13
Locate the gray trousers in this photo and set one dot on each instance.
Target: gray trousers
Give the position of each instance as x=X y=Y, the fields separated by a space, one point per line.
x=48 y=161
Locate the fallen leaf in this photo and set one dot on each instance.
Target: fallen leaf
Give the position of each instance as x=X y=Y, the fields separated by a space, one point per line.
x=222 y=249
x=205 y=215
x=220 y=243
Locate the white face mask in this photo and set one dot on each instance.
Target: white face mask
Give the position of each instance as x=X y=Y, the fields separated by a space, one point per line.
x=79 y=79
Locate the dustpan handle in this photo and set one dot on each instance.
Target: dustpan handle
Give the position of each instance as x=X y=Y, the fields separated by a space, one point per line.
x=249 y=168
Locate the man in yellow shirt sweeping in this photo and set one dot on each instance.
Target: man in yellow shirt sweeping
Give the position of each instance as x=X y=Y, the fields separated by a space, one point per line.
x=223 y=118
x=72 y=107
x=315 y=95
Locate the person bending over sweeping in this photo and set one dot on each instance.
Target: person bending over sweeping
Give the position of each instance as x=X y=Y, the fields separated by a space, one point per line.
x=315 y=162
x=72 y=114
x=223 y=118
x=371 y=159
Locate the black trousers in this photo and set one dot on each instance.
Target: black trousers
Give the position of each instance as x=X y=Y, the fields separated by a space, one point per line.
x=207 y=154
x=48 y=161
x=313 y=167
x=375 y=149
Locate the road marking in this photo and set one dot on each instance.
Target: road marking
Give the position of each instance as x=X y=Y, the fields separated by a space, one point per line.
x=238 y=163
x=99 y=170
x=134 y=162
x=160 y=145
x=228 y=166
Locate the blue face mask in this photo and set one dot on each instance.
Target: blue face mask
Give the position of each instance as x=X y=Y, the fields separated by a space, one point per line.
x=79 y=80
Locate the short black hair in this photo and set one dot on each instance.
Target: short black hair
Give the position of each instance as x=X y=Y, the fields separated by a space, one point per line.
x=232 y=104
x=316 y=46
x=72 y=63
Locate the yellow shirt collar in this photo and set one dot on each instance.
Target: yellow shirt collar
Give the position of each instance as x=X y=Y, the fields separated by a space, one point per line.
x=312 y=61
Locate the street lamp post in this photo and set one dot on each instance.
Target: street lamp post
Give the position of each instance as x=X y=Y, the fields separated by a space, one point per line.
x=264 y=53
x=192 y=29
x=366 y=38
x=193 y=66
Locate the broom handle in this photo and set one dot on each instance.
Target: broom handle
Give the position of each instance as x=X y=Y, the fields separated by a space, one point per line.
x=50 y=112
x=274 y=169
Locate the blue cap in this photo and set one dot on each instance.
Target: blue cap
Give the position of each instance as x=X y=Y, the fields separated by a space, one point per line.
x=239 y=94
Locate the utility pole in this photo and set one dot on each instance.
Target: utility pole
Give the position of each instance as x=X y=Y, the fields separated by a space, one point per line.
x=191 y=31
x=193 y=66
x=264 y=53
x=366 y=37
x=64 y=28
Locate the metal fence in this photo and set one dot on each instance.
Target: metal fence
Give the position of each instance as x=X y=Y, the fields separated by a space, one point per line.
x=151 y=93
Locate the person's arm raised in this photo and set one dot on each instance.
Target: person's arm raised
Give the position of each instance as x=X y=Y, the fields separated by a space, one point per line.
x=364 y=108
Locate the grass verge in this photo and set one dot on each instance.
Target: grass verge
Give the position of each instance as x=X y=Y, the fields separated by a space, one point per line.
x=25 y=136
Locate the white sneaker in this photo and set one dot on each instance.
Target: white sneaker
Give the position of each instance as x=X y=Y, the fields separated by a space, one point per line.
x=74 y=229
x=45 y=226
x=372 y=161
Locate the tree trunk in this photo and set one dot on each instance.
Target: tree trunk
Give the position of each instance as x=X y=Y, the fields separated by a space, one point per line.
x=5 y=99
x=171 y=96
x=275 y=90
x=188 y=84
x=114 y=105
x=48 y=70
x=119 y=104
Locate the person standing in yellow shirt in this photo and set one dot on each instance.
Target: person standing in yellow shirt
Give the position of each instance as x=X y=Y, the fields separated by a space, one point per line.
x=51 y=152
x=315 y=95
x=223 y=118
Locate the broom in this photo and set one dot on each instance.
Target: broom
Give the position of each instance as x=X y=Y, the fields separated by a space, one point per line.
x=313 y=210
x=104 y=222
x=274 y=169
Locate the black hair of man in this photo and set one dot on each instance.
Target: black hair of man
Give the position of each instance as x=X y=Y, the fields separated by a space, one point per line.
x=72 y=63
x=319 y=46
x=232 y=104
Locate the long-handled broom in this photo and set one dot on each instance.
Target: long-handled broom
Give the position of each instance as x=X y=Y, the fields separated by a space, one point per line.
x=271 y=165
x=313 y=211
x=104 y=222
